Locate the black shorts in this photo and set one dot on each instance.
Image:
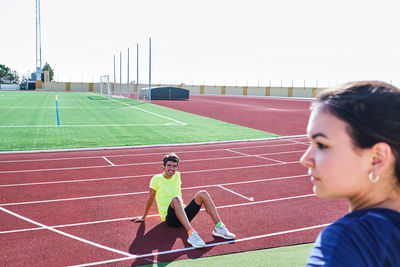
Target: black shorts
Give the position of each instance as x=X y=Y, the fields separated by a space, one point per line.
x=191 y=211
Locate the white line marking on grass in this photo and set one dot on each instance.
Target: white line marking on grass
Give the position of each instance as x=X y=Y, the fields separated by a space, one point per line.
x=66 y=234
x=106 y=159
x=93 y=125
x=207 y=245
x=233 y=192
x=155 y=114
x=145 y=192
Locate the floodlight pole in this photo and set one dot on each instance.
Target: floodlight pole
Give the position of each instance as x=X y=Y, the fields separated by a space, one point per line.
x=120 y=73
x=127 y=83
x=150 y=70
x=137 y=71
x=38 y=43
x=114 y=75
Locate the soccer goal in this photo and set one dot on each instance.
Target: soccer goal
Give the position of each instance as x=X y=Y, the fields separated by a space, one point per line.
x=105 y=81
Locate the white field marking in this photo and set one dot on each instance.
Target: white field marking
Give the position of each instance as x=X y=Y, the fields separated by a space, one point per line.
x=99 y=166
x=93 y=125
x=306 y=142
x=279 y=153
x=213 y=143
x=75 y=224
x=67 y=235
x=158 y=153
x=236 y=193
x=106 y=159
x=236 y=152
x=155 y=215
x=261 y=157
x=145 y=192
x=59 y=107
x=69 y=199
x=120 y=165
x=137 y=176
x=207 y=245
x=155 y=114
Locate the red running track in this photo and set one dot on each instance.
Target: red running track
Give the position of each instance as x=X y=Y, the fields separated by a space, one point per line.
x=278 y=115
x=75 y=208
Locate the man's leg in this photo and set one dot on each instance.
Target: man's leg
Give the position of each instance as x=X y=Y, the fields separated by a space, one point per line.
x=203 y=198
x=220 y=230
x=177 y=205
x=193 y=237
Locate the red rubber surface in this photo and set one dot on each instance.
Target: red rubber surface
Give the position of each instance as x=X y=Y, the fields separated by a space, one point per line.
x=90 y=196
x=282 y=116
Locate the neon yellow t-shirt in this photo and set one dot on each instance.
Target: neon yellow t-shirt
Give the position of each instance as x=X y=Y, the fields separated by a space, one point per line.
x=166 y=189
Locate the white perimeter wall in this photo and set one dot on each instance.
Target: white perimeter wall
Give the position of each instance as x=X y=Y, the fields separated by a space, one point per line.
x=306 y=92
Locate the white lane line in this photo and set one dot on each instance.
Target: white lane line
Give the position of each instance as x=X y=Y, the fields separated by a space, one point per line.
x=75 y=224
x=207 y=245
x=145 y=192
x=236 y=193
x=261 y=157
x=66 y=234
x=236 y=152
x=120 y=165
x=106 y=159
x=130 y=177
x=155 y=215
x=158 y=153
x=69 y=199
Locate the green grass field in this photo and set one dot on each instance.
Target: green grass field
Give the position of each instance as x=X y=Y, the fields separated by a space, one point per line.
x=290 y=256
x=28 y=121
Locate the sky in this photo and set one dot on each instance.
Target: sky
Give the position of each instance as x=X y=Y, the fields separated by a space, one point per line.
x=211 y=42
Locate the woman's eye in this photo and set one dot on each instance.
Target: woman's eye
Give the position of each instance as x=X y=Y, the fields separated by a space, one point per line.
x=321 y=146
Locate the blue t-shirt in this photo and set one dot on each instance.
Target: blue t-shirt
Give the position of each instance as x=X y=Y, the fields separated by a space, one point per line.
x=369 y=237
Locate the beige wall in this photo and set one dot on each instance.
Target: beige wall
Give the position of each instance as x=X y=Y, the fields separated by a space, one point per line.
x=194 y=89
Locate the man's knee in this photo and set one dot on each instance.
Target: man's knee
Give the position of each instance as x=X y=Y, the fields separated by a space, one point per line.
x=176 y=201
x=201 y=197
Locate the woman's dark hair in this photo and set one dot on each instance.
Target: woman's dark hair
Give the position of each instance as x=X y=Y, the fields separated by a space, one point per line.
x=372 y=111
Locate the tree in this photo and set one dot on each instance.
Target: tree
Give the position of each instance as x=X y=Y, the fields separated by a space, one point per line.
x=50 y=69
x=7 y=75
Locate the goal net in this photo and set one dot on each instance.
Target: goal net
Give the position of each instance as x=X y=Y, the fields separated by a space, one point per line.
x=105 y=86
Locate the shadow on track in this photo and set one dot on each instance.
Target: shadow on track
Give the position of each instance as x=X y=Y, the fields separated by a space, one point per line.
x=161 y=238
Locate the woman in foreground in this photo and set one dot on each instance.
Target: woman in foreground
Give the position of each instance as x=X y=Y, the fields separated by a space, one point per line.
x=355 y=154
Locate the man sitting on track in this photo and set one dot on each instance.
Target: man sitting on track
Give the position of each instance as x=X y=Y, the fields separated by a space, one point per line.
x=166 y=189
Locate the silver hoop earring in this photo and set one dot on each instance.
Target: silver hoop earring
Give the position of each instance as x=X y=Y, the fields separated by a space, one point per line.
x=372 y=179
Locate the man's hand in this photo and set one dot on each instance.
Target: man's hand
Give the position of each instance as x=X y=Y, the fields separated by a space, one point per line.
x=137 y=220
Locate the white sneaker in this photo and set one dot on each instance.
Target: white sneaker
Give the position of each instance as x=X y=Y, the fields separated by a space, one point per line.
x=195 y=240
x=223 y=232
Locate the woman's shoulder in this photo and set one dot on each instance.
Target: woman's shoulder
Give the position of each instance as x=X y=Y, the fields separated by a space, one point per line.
x=360 y=223
x=355 y=235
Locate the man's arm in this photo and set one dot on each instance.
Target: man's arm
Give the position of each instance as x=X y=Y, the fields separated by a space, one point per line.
x=149 y=204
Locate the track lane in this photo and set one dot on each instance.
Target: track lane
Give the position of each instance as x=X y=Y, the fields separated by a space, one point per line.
x=249 y=164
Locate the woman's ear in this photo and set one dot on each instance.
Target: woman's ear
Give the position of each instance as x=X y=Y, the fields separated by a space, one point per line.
x=381 y=157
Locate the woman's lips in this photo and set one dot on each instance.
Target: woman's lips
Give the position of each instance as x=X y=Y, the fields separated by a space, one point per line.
x=314 y=179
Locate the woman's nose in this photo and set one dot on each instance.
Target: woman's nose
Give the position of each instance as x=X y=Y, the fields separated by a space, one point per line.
x=306 y=160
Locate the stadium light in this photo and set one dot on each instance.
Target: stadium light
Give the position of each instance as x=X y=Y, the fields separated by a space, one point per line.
x=38 y=42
